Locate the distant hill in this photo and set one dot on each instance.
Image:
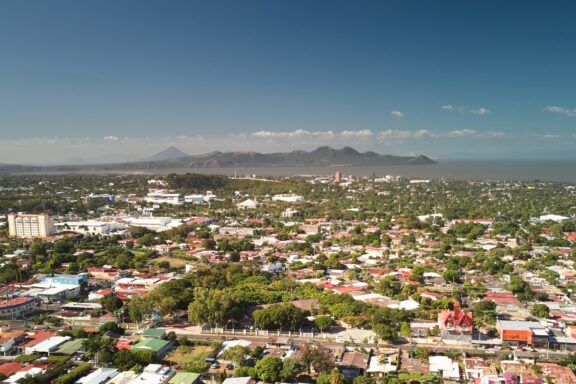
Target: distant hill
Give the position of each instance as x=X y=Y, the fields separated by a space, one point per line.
x=323 y=156
x=167 y=154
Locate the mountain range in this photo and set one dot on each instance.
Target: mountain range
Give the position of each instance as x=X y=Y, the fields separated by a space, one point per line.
x=173 y=158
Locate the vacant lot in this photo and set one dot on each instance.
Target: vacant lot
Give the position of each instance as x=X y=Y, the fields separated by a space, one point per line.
x=183 y=355
x=174 y=262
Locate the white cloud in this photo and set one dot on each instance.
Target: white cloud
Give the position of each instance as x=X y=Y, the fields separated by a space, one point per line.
x=460 y=109
x=561 y=110
x=360 y=133
x=480 y=111
x=461 y=133
x=295 y=133
x=397 y=114
x=111 y=138
x=395 y=134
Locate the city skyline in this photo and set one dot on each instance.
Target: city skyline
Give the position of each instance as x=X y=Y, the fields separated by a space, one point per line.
x=121 y=81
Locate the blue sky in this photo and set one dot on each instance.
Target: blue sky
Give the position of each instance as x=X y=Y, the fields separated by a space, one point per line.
x=124 y=79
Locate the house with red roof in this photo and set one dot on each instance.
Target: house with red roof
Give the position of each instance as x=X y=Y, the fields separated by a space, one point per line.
x=456 y=326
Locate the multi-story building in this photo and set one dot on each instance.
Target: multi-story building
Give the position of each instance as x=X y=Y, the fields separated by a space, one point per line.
x=16 y=308
x=29 y=225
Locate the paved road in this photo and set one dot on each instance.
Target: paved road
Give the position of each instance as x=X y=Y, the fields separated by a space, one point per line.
x=540 y=355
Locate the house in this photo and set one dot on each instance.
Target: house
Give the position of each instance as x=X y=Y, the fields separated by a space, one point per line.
x=476 y=368
x=445 y=366
x=32 y=339
x=160 y=347
x=154 y=374
x=558 y=373
x=185 y=378
x=47 y=346
x=71 y=347
x=354 y=364
x=384 y=362
x=456 y=326
x=8 y=340
x=99 y=376
x=239 y=380
x=285 y=343
x=154 y=333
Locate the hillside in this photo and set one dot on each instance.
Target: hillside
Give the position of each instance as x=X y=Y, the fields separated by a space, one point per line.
x=322 y=156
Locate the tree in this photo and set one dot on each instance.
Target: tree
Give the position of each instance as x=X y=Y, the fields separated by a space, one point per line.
x=405 y=329
x=484 y=312
x=166 y=305
x=290 y=369
x=111 y=326
x=385 y=331
x=269 y=369
x=323 y=378
x=245 y=372
x=364 y=380
x=212 y=306
x=124 y=360
x=389 y=286
x=312 y=356
x=111 y=303
x=323 y=323
x=283 y=316
x=102 y=349
x=540 y=310
x=236 y=354
x=336 y=377
x=138 y=308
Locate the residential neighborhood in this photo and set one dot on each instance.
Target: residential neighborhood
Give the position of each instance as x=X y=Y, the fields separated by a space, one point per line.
x=318 y=279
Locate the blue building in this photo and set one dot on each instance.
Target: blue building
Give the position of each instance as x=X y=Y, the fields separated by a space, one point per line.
x=80 y=279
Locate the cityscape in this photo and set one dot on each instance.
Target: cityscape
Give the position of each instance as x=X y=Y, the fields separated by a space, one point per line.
x=287 y=192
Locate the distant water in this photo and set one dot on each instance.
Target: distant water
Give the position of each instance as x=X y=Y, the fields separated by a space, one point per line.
x=526 y=170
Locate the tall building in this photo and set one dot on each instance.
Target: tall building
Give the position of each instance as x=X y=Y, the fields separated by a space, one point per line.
x=30 y=226
x=337 y=176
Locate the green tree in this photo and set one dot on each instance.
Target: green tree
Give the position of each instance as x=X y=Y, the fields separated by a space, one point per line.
x=269 y=369
x=540 y=310
x=290 y=369
x=323 y=323
x=212 y=306
x=336 y=377
x=364 y=380
x=236 y=354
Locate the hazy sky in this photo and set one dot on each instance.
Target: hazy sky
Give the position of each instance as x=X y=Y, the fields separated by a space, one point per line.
x=104 y=80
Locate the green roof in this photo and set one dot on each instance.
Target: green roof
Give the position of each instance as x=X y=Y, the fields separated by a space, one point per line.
x=70 y=347
x=184 y=378
x=154 y=332
x=151 y=344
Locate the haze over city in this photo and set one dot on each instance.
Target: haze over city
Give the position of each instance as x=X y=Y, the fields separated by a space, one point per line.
x=112 y=81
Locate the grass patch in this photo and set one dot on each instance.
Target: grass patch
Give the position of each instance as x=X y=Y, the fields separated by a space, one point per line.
x=184 y=355
x=174 y=262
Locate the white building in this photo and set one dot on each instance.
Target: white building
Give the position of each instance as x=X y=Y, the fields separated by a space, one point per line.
x=29 y=226
x=291 y=213
x=247 y=204
x=91 y=227
x=160 y=197
x=555 y=218
x=157 y=224
x=154 y=374
x=99 y=376
x=288 y=198
x=196 y=199
x=445 y=366
x=48 y=345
